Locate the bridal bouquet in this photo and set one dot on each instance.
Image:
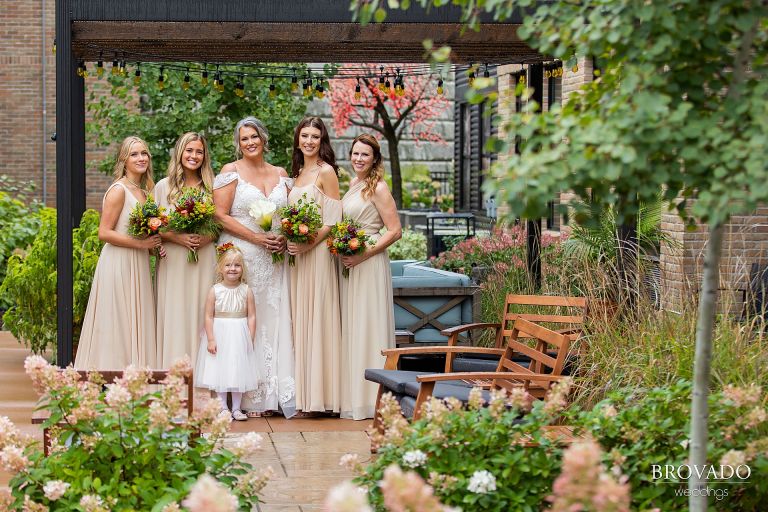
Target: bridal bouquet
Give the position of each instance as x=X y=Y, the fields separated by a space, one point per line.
x=300 y=222
x=194 y=214
x=146 y=219
x=262 y=212
x=347 y=238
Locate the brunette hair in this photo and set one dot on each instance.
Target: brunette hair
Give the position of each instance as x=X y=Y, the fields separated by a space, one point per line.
x=176 y=170
x=147 y=183
x=376 y=172
x=325 y=154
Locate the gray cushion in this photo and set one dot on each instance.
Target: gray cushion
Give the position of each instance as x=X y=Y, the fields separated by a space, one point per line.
x=455 y=388
x=474 y=364
x=393 y=380
x=407 y=405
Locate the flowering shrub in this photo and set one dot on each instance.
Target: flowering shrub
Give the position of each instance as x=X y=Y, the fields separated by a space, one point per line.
x=654 y=430
x=412 y=246
x=504 y=250
x=471 y=458
x=493 y=459
x=124 y=449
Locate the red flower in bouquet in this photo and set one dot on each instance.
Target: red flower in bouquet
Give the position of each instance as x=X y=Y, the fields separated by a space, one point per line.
x=300 y=222
x=348 y=238
x=194 y=214
x=146 y=219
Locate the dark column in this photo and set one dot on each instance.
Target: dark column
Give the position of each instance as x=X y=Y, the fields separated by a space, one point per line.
x=66 y=80
x=533 y=226
x=77 y=123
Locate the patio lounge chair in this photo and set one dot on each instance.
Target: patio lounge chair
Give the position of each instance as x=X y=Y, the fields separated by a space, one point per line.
x=535 y=375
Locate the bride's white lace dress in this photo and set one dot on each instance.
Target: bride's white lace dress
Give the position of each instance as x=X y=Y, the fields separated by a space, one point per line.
x=271 y=291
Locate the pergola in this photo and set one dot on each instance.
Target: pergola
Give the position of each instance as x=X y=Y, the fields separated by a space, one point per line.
x=233 y=31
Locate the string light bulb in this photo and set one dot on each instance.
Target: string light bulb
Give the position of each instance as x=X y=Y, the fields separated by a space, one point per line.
x=308 y=87
x=471 y=78
x=319 y=90
x=115 y=67
x=185 y=83
x=547 y=73
x=240 y=87
x=521 y=80
x=272 y=88
x=161 y=79
x=486 y=73
x=82 y=72
x=440 y=87
x=382 y=85
x=358 y=95
x=100 y=68
x=204 y=77
x=388 y=86
x=53 y=48
x=294 y=83
x=121 y=68
x=137 y=75
x=575 y=68
x=218 y=81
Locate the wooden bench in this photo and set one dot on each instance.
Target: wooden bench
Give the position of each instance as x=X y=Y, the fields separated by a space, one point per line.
x=39 y=417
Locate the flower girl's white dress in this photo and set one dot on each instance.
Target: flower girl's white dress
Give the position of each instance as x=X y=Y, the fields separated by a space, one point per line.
x=233 y=366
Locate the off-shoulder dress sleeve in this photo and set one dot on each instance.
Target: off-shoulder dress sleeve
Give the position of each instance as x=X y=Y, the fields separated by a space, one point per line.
x=287 y=181
x=331 y=210
x=224 y=179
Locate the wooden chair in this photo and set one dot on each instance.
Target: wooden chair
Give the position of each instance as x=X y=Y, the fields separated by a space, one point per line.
x=535 y=376
x=550 y=311
x=109 y=376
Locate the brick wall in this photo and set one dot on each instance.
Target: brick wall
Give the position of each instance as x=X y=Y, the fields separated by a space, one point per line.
x=27 y=68
x=745 y=242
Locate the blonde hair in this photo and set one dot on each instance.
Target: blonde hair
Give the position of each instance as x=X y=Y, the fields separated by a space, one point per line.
x=232 y=252
x=147 y=183
x=376 y=172
x=176 y=170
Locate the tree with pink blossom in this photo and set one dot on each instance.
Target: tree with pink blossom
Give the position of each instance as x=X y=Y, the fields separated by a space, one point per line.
x=410 y=104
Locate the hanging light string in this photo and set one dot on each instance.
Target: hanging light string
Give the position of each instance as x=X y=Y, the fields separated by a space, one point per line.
x=314 y=81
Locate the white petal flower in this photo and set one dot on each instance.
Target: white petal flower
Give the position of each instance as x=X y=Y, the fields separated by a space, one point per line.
x=55 y=489
x=247 y=444
x=347 y=497
x=414 y=458
x=482 y=482
x=209 y=495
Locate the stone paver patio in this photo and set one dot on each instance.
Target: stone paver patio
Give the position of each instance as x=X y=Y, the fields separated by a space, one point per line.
x=303 y=453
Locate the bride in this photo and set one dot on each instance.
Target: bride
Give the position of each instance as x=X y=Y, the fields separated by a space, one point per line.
x=239 y=185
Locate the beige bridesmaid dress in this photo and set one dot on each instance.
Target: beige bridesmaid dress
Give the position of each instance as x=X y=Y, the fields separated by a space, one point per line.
x=119 y=324
x=367 y=313
x=316 y=315
x=182 y=288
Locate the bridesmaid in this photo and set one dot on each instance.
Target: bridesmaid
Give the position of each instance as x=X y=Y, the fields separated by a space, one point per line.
x=182 y=286
x=119 y=324
x=314 y=282
x=367 y=315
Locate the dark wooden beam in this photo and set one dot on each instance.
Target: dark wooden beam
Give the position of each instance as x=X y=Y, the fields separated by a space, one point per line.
x=317 y=11
x=66 y=101
x=294 y=42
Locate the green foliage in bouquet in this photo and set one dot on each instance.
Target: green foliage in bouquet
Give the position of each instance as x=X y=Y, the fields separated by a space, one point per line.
x=300 y=222
x=126 y=448
x=146 y=218
x=194 y=214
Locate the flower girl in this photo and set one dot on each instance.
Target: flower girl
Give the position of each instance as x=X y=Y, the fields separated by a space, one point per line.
x=226 y=361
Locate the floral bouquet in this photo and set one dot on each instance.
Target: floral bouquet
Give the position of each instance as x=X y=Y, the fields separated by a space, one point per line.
x=347 y=238
x=300 y=222
x=194 y=214
x=262 y=212
x=146 y=219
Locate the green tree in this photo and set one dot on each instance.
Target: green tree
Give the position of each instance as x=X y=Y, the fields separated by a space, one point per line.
x=160 y=115
x=682 y=106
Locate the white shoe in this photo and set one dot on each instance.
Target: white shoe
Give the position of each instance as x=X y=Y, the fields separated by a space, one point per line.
x=239 y=415
x=224 y=412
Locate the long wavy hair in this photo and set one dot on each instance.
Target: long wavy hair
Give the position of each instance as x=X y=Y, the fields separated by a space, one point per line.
x=376 y=172
x=176 y=170
x=147 y=183
x=325 y=154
